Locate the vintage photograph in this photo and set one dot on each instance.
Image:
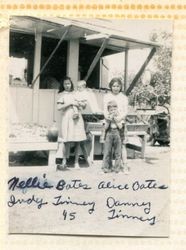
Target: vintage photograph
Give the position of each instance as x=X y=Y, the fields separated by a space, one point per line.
x=89 y=126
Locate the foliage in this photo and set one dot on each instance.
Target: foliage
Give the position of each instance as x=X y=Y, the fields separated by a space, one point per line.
x=160 y=69
x=161 y=77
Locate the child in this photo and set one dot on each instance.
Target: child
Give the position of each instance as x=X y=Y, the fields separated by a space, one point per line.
x=81 y=93
x=116 y=95
x=80 y=98
x=113 y=143
x=72 y=130
x=75 y=106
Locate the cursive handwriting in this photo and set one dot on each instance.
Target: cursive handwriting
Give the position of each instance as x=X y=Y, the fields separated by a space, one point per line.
x=137 y=185
x=148 y=184
x=31 y=182
x=74 y=184
x=110 y=185
x=112 y=203
x=116 y=215
x=59 y=200
x=42 y=183
x=33 y=200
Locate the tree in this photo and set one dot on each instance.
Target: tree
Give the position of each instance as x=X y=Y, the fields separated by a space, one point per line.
x=161 y=76
x=160 y=68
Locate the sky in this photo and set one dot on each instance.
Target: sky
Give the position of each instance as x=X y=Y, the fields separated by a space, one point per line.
x=140 y=29
x=137 y=29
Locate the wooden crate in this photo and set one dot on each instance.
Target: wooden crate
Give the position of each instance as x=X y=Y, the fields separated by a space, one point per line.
x=137 y=127
x=94 y=126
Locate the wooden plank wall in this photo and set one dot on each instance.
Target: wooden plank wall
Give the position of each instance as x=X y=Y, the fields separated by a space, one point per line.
x=21 y=104
x=20 y=108
x=46 y=107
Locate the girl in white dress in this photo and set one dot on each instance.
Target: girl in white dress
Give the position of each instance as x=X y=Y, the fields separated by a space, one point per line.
x=72 y=130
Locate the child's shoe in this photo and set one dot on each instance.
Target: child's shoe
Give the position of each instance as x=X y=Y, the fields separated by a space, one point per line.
x=126 y=169
x=106 y=170
x=61 y=167
x=116 y=170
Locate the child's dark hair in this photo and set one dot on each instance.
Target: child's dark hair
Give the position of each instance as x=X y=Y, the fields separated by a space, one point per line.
x=115 y=79
x=61 y=87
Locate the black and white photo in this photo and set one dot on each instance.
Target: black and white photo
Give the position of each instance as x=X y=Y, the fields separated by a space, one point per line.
x=89 y=126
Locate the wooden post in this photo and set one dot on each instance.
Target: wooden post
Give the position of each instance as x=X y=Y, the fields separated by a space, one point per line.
x=50 y=57
x=140 y=72
x=73 y=60
x=37 y=64
x=126 y=71
x=96 y=58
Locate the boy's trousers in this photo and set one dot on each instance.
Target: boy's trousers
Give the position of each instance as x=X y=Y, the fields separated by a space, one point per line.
x=112 y=145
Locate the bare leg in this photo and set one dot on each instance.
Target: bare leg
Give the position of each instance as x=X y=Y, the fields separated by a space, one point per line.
x=84 y=151
x=77 y=155
x=124 y=154
x=124 y=159
x=65 y=156
x=66 y=149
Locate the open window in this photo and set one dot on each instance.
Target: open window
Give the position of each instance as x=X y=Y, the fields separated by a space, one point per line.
x=21 y=59
x=18 y=71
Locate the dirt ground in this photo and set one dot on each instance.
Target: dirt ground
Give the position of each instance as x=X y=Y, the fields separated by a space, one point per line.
x=50 y=219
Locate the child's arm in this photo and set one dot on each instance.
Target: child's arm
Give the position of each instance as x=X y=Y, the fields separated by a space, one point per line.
x=62 y=105
x=119 y=121
x=118 y=118
x=109 y=117
x=81 y=103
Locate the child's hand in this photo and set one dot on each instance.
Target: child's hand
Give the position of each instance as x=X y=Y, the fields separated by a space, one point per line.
x=117 y=119
x=109 y=118
x=75 y=103
x=82 y=104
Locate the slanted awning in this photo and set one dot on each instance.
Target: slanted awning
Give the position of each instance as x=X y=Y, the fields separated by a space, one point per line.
x=79 y=29
x=104 y=37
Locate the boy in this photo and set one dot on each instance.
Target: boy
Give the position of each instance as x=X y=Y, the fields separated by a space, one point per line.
x=113 y=142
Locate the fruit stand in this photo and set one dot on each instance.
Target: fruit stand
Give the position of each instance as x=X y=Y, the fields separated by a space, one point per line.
x=94 y=124
x=76 y=49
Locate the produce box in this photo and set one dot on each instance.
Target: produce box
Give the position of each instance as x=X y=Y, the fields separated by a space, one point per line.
x=137 y=127
x=27 y=132
x=98 y=126
x=94 y=126
x=93 y=122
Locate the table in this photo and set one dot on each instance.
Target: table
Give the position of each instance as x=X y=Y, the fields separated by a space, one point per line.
x=141 y=134
x=36 y=146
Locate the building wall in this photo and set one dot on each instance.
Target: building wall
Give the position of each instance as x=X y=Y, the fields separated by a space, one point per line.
x=21 y=104
x=21 y=101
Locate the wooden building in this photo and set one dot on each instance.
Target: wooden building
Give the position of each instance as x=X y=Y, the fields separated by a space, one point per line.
x=55 y=47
